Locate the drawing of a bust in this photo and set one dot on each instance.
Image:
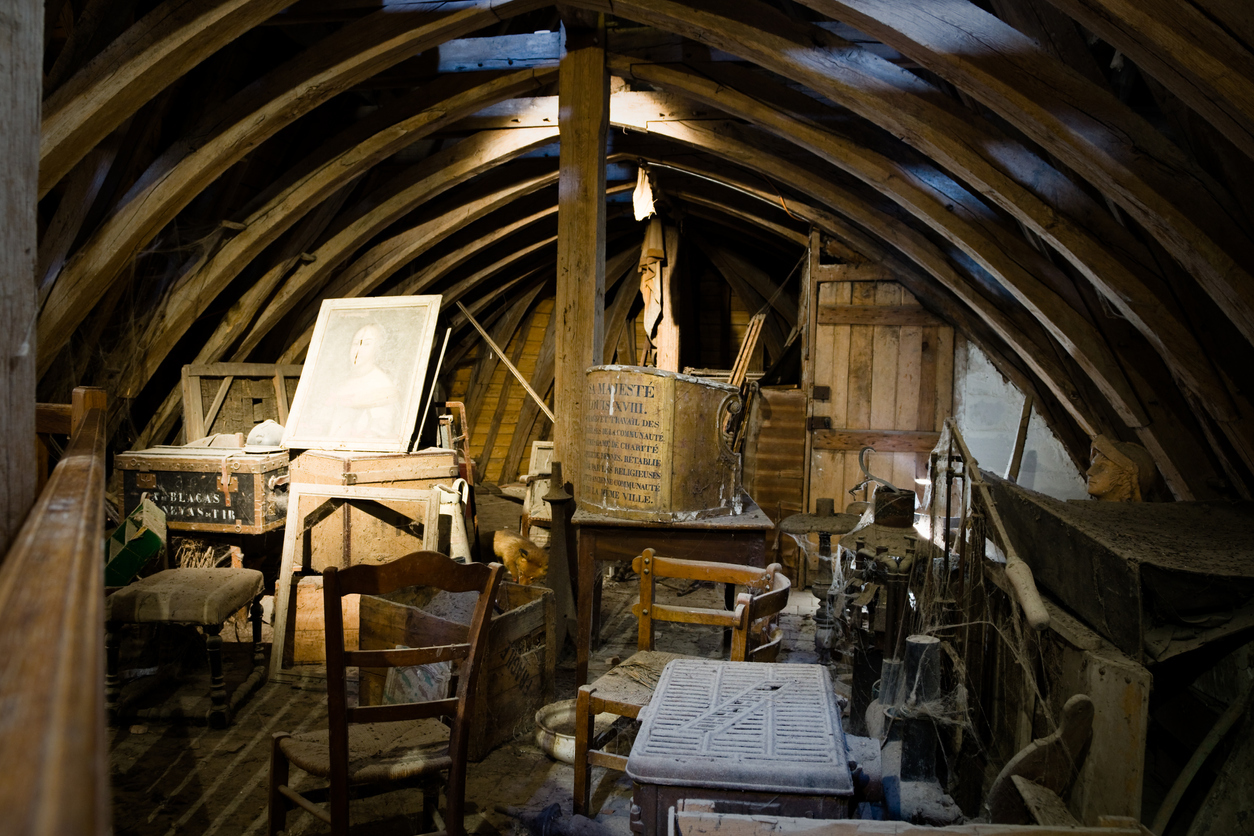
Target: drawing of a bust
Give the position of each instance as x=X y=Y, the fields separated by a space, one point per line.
x=364 y=404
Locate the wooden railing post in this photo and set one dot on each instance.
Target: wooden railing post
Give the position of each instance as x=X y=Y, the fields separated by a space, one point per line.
x=84 y=399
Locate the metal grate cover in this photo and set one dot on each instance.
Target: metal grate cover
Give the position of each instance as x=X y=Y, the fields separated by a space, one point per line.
x=736 y=725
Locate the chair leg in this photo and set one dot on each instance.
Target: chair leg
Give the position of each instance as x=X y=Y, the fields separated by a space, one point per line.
x=583 y=740
x=254 y=613
x=455 y=794
x=113 y=687
x=430 y=803
x=217 y=682
x=278 y=778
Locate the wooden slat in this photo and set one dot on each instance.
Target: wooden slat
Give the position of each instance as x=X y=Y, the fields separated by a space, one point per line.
x=861 y=354
x=909 y=391
x=886 y=342
x=216 y=404
x=51 y=612
x=878 y=315
x=193 y=408
x=884 y=441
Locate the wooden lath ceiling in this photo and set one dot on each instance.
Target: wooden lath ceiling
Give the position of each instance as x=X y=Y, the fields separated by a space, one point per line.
x=1061 y=181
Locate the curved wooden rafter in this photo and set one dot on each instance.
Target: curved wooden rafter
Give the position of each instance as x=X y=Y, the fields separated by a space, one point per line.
x=243 y=313
x=148 y=57
x=464 y=160
x=1065 y=324
x=322 y=173
x=833 y=211
x=948 y=208
x=355 y=52
x=1083 y=125
x=1188 y=51
x=450 y=295
x=992 y=163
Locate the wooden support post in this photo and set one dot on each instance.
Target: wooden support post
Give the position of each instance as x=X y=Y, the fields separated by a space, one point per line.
x=21 y=71
x=583 y=113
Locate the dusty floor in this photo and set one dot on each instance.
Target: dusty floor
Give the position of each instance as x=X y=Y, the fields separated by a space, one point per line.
x=175 y=778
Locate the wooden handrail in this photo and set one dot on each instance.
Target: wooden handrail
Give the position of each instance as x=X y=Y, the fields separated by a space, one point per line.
x=52 y=724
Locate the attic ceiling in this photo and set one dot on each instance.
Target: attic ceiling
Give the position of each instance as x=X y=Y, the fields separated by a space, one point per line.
x=1063 y=181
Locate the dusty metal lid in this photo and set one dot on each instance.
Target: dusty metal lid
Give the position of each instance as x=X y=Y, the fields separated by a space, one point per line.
x=737 y=725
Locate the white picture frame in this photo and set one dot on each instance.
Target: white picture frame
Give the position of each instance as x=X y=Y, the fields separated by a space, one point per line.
x=362 y=382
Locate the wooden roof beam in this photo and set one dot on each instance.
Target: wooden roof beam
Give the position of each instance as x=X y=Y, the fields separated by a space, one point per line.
x=148 y=57
x=1086 y=127
x=1190 y=53
x=257 y=112
x=399 y=197
x=946 y=207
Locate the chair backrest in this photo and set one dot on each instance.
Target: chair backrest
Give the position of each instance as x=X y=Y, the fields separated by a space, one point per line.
x=748 y=610
x=765 y=636
x=424 y=568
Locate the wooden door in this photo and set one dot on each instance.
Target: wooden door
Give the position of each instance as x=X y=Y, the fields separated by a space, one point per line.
x=880 y=371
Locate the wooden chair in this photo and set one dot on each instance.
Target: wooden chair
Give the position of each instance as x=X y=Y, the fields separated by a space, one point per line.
x=628 y=687
x=357 y=748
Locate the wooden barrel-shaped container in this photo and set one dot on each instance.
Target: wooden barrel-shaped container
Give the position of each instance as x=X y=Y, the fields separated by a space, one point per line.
x=655 y=446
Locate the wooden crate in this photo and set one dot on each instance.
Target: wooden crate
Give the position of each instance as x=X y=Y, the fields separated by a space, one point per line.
x=654 y=447
x=239 y=396
x=520 y=660
x=187 y=483
x=310 y=644
x=392 y=470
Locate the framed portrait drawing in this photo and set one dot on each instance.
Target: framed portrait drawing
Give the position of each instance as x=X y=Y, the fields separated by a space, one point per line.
x=361 y=387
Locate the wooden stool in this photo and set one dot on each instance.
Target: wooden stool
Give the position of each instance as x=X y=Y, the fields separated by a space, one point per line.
x=203 y=597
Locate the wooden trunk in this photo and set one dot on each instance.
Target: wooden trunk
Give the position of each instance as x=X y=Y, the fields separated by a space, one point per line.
x=654 y=447
x=381 y=536
x=517 y=677
x=391 y=470
x=187 y=483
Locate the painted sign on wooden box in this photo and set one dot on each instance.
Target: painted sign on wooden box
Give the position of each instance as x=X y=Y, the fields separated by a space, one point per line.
x=654 y=446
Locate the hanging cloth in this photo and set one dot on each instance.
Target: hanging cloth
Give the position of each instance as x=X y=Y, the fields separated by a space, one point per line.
x=642 y=197
x=652 y=259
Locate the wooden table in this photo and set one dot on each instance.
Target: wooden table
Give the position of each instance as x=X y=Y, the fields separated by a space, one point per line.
x=739 y=539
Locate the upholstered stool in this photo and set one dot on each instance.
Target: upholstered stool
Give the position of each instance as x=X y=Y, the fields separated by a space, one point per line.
x=203 y=597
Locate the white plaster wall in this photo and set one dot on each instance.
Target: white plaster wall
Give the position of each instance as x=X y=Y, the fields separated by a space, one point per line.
x=987 y=408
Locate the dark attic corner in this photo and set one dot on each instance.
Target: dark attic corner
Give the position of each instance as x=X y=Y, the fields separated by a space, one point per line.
x=627 y=419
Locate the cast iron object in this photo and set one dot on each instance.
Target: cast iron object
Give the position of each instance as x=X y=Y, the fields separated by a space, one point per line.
x=893 y=541
x=894 y=508
x=823 y=521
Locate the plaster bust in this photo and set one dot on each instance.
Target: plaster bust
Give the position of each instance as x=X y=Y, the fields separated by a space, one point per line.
x=1119 y=471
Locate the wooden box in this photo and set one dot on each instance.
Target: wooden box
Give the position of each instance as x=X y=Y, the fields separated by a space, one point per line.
x=520 y=660
x=310 y=641
x=386 y=470
x=188 y=484
x=655 y=447
x=235 y=397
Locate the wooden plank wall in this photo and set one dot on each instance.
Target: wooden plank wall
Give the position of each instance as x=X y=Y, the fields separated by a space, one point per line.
x=889 y=385
x=494 y=426
x=775 y=465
